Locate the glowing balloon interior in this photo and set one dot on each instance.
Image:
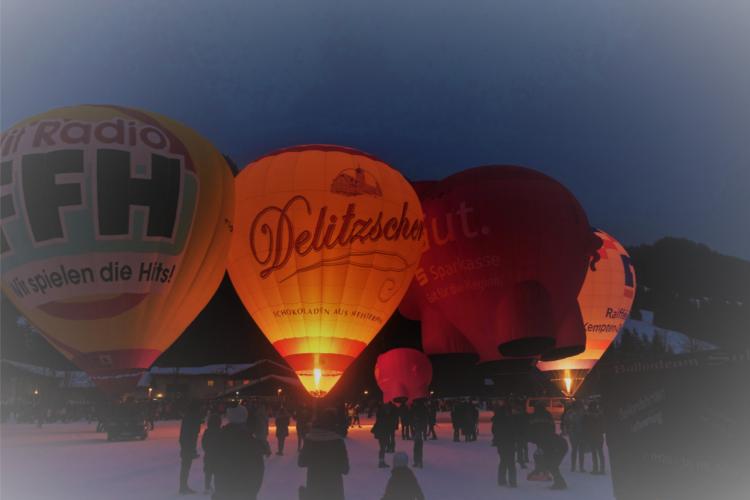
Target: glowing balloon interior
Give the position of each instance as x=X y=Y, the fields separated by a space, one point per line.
x=326 y=243
x=115 y=230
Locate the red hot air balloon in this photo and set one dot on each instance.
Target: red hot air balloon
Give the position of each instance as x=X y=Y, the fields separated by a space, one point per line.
x=403 y=374
x=439 y=336
x=506 y=259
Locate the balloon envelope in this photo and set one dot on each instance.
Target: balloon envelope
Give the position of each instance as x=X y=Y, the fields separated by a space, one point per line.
x=439 y=336
x=403 y=374
x=605 y=300
x=326 y=242
x=116 y=226
x=508 y=250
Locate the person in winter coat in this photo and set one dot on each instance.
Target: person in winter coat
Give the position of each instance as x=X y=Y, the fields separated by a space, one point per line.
x=419 y=420
x=572 y=425
x=554 y=448
x=593 y=431
x=504 y=433
x=540 y=426
x=302 y=422
x=189 y=430
x=402 y=484
x=325 y=457
x=394 y=428
x=210 y=444
x=520 y=421
x=432 y=419
x=239 y=459
x=456 y=422
x=404 y=415
x=282 y=428
x=382 y=429
x=540 y=423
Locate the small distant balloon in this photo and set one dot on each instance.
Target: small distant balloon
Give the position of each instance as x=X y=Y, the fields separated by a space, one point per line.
x=403 y=375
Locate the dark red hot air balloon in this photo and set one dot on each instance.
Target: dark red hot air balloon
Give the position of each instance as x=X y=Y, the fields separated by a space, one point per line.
x=403 y=374
x=508 y=250
x=439 y=336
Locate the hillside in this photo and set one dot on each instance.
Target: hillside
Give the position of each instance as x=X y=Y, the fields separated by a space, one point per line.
x=694 y=290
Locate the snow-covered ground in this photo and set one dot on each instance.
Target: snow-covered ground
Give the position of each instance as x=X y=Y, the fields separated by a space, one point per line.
x=72 y=461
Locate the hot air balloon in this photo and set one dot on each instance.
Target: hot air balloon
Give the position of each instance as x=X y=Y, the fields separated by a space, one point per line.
x=605 y=300
x=326 y=242
x=115 y=230
x=508 y=250
x=439 y=336
x=403 y=374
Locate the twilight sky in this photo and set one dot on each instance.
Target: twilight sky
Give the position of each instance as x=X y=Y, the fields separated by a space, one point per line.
x=640 y=107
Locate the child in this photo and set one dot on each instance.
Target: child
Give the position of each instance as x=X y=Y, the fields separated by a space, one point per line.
x=208 y=443
x=403 y=484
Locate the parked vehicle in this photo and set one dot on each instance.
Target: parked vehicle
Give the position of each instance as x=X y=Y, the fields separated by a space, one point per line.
x=127 y=428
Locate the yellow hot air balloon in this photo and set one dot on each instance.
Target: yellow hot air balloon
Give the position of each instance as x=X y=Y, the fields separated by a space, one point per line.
x=115 y=231
x=605 y=300
x=325 y=245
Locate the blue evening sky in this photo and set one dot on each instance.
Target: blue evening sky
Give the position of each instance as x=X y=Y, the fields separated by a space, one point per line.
x=641 y=107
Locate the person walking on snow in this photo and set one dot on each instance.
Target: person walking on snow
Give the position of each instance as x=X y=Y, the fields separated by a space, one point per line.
x=325 y=457
x=504 y=432
x=189 y=430
x=282 y=429
x=209 y=444
x=239 y=459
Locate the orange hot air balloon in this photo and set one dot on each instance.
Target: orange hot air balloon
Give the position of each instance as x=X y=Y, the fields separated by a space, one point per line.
x=115 y=231
x=325 y=245
x=605 y=300
x=403 y=374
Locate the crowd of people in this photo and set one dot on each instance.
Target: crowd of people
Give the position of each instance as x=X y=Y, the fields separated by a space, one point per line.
x=233 y=453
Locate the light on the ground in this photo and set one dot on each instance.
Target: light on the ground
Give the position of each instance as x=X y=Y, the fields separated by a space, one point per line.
x=159 y=395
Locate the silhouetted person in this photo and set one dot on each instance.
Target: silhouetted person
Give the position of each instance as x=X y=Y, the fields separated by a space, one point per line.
x=521 y=422
x=210 y=445
x=554 y=448
x=189 y=430
x=405 y=417
x=593 y=428
x=402 y=484
x=239 y=465
x=382 y=429
x=302 y=423
x=572 y=425
x=324 y=455
x=432 y=419
x=456 y=415
x=504 y=433
x=540 y=426
x=282 y=428
x=419 y=419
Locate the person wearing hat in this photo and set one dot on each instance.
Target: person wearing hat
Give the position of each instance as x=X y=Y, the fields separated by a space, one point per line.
x=403 y=484
x=239 y=459
x=325 y=457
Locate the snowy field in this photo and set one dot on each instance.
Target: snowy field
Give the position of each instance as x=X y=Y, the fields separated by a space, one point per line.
x=73 y=462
